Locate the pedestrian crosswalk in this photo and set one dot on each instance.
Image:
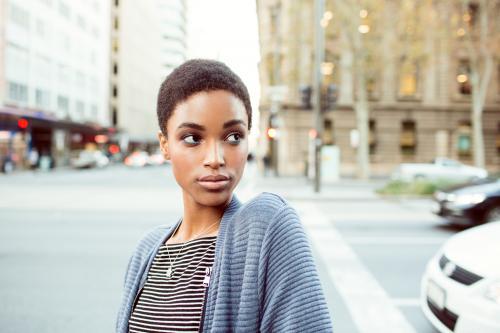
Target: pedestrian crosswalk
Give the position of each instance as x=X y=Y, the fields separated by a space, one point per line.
x=369 y=305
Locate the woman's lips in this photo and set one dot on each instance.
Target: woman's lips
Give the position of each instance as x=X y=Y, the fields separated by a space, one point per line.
x=214 y=182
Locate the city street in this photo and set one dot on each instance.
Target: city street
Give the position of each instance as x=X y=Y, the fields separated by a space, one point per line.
x=65 y=238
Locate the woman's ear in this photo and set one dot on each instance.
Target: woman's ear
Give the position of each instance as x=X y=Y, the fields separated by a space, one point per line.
x=164 y=145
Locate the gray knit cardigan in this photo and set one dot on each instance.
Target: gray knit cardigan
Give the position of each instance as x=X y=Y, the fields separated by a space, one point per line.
x=264 y=278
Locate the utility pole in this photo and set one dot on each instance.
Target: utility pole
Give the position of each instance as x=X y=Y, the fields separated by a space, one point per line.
x=319 y=54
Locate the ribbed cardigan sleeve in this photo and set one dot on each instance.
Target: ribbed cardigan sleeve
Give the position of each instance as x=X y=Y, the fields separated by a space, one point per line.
x=293 y=299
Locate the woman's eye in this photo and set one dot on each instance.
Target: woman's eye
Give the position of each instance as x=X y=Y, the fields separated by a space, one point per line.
x=191 y=139
x=235 y=137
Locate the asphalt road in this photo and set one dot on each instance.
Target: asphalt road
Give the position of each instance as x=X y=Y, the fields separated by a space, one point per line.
x=66 y=236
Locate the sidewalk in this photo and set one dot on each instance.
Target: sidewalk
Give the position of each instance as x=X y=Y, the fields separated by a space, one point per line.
x=301 y=188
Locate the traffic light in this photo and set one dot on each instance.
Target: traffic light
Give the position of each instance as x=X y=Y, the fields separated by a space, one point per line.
x=22 y=124
x=305 y=96
x=331 y=97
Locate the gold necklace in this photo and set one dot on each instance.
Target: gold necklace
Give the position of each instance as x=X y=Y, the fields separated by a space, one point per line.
x=170 y=269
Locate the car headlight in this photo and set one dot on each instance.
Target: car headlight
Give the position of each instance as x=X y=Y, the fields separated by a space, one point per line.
x=493 y=292
x=469 y=199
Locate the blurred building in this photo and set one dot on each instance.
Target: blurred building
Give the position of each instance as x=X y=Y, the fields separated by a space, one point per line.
x=147 y=42
x=53 y=77
x=417 y=110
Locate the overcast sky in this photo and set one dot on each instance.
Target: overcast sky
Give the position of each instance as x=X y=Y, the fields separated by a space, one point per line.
x=227 y=30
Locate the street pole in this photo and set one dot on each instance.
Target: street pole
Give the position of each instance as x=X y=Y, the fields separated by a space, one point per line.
x=318 y=60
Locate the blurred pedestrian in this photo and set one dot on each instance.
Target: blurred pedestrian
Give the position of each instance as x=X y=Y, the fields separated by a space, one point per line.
x=224 y=266
x=33 y=158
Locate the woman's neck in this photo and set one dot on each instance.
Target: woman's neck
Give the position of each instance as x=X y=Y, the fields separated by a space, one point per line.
x=198 y=221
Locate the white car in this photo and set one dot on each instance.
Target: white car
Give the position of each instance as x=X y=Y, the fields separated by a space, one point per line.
x=440 y=169
x=137 y=159
x=461 y=286
x=90 y=159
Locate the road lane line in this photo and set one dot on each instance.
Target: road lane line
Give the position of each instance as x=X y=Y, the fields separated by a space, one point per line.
x=406 y=302
x=370 y=306
x=396 y=240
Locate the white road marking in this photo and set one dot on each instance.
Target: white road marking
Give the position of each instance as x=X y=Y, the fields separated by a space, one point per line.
x=407 y=302
x=396 y=240
x=370 y=306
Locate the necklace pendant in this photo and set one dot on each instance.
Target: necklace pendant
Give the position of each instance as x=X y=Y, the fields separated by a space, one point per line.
x=169 y=271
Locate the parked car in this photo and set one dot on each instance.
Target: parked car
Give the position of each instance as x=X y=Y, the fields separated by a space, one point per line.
x=470 y=204
x=460 y=290
x=137 y=159
x=90 y=159
x=156 y=158
x=439 y=169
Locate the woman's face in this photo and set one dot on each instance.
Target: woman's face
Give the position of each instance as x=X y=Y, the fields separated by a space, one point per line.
x=207 y=144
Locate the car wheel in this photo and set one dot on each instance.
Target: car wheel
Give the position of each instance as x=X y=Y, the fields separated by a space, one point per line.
x=493 y=214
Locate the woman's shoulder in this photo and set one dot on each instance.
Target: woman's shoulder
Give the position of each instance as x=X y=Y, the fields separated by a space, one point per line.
x=265 y=203
x=266 y=207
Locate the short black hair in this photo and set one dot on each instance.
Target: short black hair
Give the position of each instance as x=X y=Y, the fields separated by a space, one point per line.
x=194 y=76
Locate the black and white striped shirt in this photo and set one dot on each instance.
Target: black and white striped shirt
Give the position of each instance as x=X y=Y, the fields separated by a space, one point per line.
x=175 y=304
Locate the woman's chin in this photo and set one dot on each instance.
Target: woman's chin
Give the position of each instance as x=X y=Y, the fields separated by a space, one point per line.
x=213 y=198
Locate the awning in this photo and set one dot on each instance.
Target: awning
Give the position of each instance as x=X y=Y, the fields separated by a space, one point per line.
x=37 y=118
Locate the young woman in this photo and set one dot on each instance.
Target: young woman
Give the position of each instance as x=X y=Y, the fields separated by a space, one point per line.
x=224 y=266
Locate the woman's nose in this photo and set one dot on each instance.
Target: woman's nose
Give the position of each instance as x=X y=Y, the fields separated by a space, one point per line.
x=215 y=155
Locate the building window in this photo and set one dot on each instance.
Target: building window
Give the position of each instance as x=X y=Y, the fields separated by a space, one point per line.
x=115 y=45
x=116 y=23
x=498 y=139
x=115 y=68
x=372 y=78
x=94 y=111
x=18 y=92
x=80 y=109
x=95 y=32
x=42 y=99
x=408 y=139
x=328 y=132
x=331 y=73
x=471 y=14
x=408 y=78
x=48 y=3
x=464 y=139
x=41 y=28
x=63 y=105
x=371 y=86
x=64 y=9
x=80 y=80
x=115 y=91
x=498 y=78
x=114 y=116
x=117 y=3
x=275 y=12
x=372 y=139
x=19 y=16
x=81 y=22
x=463 y=77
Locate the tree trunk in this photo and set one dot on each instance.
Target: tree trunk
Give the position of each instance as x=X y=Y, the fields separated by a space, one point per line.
x=362 y=111
x=480 y=81
x=479 y=89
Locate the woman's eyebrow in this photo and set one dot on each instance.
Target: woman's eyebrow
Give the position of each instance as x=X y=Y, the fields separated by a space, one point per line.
x=191 y=125
x=232 y=123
